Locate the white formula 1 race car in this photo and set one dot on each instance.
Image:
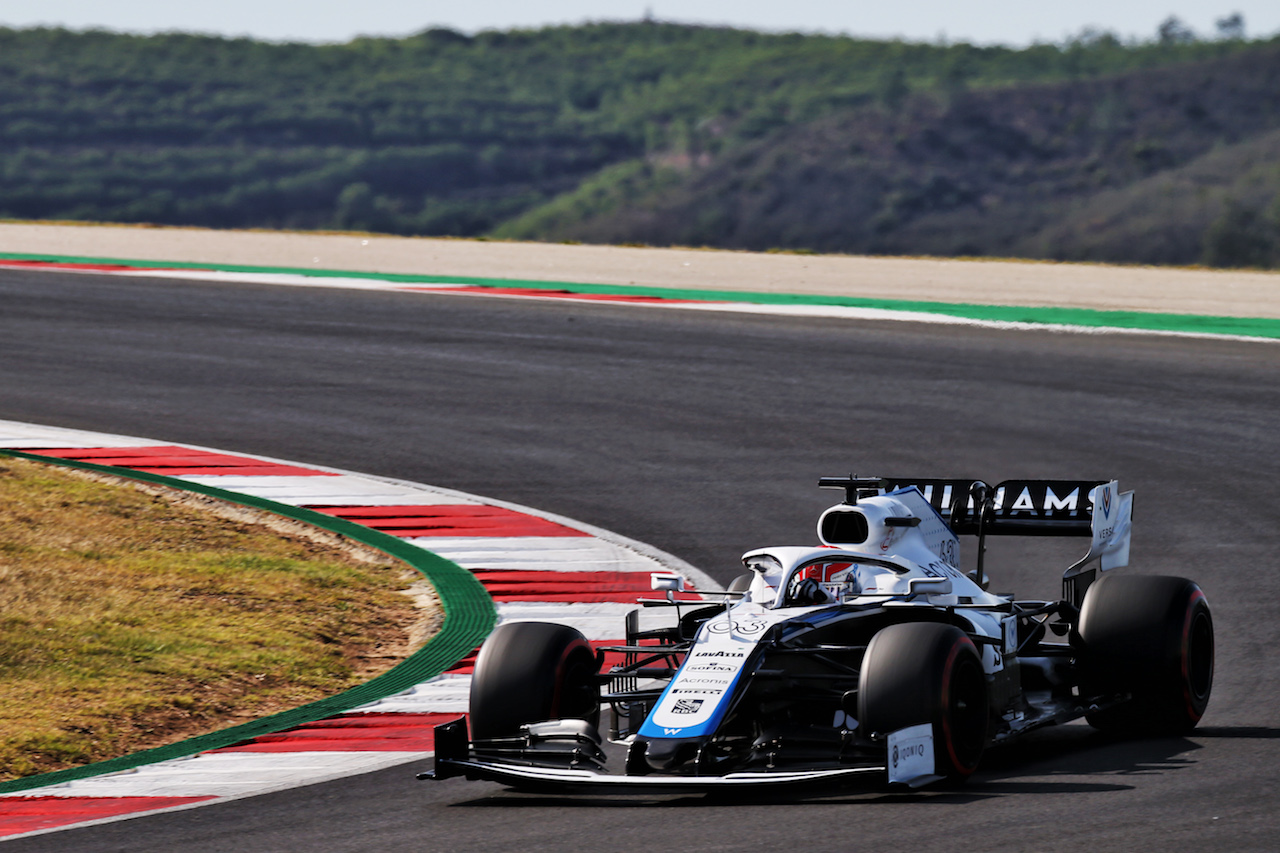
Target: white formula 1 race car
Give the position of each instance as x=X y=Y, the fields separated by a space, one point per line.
x=871 y=657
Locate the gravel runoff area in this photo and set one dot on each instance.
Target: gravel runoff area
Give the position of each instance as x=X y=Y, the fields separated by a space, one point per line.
x=1227 y=293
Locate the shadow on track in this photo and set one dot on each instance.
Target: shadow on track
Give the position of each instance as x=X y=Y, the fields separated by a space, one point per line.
x=1238 y=732
x=1028 y=767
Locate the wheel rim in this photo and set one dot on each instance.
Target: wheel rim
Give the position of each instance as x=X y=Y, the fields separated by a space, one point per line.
x=965 y=714
x=1198 y=659
x=577 y=695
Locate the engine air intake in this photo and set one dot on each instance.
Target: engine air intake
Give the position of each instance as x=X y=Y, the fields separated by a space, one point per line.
x=843 y=527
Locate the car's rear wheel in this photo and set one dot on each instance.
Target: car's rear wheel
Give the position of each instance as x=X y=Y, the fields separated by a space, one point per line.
x=527 y=672
x=1150 y=637
x=925 y=672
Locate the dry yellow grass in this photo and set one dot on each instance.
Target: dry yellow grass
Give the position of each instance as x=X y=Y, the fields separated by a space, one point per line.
x=131 y=619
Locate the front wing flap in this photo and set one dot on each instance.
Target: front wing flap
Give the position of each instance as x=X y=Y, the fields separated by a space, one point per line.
x=555 y=780
x=455 y=758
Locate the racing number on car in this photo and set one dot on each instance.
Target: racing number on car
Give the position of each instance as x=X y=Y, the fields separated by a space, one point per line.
x=941 y=570
x=747 y=626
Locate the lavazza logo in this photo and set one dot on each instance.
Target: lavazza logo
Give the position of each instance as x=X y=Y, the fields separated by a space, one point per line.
x=719 y=654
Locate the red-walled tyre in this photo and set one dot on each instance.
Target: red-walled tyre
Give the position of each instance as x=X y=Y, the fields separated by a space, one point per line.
x=925 y=672
x=527 y=672
x=1150 y=637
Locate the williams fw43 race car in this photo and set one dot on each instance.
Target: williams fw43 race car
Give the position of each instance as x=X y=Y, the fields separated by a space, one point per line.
x=870 y=657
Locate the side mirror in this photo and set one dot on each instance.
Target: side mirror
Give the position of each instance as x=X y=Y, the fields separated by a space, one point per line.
x=932 y=586
x=661 y=581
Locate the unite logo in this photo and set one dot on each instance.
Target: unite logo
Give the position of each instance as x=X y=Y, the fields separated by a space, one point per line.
x=687 y=706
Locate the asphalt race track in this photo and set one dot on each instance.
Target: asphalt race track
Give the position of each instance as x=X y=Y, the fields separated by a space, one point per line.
x=704 y=435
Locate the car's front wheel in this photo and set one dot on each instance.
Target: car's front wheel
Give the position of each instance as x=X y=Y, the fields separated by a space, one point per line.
x=926 y=672
x=528 y=672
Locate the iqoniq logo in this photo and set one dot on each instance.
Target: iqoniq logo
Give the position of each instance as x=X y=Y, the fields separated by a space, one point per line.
x=914 y=750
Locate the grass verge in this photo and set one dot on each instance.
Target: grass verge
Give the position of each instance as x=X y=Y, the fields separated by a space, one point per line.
x=136 y=616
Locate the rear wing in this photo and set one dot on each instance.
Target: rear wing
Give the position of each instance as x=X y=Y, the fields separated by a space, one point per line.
x=1093 y=508
x=1010 y=508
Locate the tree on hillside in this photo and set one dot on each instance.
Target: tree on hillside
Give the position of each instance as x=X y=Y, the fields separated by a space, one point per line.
x=1231 y=27
x=892 y=89
x=1243 y=236
x=1173 y=31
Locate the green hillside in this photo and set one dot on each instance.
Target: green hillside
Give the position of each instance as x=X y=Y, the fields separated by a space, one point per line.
x=650 y=132
x=1158 y=166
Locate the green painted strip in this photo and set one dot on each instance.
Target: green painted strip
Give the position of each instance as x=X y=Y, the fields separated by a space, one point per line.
x=469 y=616
x=1253 y=327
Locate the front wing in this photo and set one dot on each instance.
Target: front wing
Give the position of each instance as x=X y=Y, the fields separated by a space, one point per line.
x=454 y=758
x=556 y=780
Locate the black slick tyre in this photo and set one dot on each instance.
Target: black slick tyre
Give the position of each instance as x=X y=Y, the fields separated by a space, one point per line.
x=1149 y=637
x=926 y=672
x=527 y=672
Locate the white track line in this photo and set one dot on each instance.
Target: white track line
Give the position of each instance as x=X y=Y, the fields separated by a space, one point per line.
x=842 y=312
